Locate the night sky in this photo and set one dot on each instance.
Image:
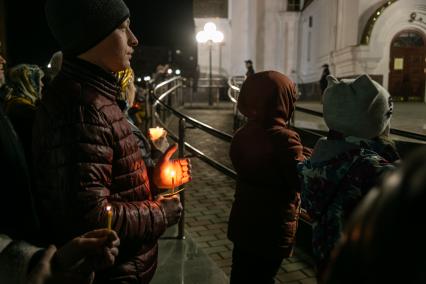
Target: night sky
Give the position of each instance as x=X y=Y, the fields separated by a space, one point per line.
x=157 y=23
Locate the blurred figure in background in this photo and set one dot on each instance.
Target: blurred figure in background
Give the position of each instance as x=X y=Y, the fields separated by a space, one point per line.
x=323 y=79
x=249 y=67
x=151 y=150
x=384 y=241
x=20 y=105
x=195 y=79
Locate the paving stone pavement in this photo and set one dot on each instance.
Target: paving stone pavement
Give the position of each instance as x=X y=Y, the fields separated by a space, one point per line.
x=209 y=198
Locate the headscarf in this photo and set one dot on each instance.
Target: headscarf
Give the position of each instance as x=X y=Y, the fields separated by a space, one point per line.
x=25 y=81
x=125 y=79
x=268 y=97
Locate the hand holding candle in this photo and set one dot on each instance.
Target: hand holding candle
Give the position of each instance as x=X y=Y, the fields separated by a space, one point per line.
x=109 y=215
x=156 y=133
x=162 y=171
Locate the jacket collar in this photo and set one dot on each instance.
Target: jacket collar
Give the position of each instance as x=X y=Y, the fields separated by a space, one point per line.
x=91 y=74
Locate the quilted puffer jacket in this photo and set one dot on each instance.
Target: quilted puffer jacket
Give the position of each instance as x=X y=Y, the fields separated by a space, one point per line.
x=86 y=158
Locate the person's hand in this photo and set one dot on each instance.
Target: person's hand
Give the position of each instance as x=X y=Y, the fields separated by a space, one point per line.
x=161 y=144
x=98 y=248
x=42 y=273
x=77 y=260
x=171 y=207
x=163 y=169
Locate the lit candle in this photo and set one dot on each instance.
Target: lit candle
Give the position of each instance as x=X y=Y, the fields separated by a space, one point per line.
x=156 y=133
x=172 y=174
x=109 y=214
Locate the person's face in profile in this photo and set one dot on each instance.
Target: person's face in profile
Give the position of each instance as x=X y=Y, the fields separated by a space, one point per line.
x=115 y=51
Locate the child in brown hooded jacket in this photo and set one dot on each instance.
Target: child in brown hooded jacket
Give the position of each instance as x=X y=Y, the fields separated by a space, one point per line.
x=264 y=152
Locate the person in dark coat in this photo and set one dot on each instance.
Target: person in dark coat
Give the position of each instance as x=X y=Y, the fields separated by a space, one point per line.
x=249 y=67
x=323 y=79
x=383 y=241
x=86 y=156
x=264 y=152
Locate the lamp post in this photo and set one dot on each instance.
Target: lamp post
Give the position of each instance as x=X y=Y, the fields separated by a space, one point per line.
x=210 y=35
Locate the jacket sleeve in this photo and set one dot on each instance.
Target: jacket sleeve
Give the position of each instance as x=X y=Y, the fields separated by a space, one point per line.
x=135 y=217
x=15 y=260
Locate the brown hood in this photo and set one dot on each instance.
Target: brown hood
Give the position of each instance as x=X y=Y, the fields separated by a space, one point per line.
x=267 y=97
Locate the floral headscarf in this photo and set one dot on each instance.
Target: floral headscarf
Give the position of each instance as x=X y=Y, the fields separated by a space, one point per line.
x=25 y=81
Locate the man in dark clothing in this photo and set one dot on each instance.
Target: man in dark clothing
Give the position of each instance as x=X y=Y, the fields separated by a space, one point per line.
x=85 y=154
x=323 y=80
x=249 y=67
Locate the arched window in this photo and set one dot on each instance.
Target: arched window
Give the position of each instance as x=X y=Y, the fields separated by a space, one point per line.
x=408 y=39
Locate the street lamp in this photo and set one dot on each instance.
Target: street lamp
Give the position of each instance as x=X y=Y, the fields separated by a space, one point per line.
x=210 y=35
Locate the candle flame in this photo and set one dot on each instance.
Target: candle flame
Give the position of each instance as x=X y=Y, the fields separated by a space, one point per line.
x=156 y=133
x=108 y=208
x=172 y=173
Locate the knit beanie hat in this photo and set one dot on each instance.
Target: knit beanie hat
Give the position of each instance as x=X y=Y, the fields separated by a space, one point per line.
x=79 y=25
x=360 y=107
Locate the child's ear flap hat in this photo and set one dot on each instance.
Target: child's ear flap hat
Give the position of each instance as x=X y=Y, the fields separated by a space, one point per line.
x=360 y=107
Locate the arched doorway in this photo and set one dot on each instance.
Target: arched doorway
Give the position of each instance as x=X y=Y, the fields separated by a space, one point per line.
x=407 y=73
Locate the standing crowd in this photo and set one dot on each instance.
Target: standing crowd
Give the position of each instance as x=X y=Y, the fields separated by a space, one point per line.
x=72 y=150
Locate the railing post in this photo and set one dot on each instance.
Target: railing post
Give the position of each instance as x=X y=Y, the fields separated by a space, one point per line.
x=180 y=92
x=181 y=154
x=151 y=101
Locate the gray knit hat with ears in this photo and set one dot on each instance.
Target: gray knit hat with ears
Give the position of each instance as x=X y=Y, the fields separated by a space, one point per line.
x=79 y=25
x=360 y=107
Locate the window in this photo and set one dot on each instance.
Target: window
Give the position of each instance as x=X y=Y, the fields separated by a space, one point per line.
x=408 y=39
x=293 y=5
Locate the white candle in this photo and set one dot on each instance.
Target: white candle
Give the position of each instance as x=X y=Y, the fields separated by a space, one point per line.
x=109 y=213
x=156 y=133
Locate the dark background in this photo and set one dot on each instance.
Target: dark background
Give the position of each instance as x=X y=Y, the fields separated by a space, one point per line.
x=162 y=27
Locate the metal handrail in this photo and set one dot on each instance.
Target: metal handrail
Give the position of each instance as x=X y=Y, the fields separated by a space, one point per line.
x=394 y=131
x=200 y=125
x=232 y=88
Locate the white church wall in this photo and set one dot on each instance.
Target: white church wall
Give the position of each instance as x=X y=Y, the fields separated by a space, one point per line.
x=242 y=25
